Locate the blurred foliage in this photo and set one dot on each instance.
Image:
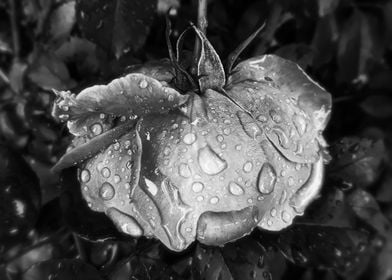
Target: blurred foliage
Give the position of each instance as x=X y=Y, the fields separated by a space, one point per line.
x=48 y=232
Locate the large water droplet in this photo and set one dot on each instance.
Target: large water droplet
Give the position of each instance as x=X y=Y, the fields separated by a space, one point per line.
x=249 y=126
x=184 y=170
x=105 y=172
x=267 y=179
x=106 y=192
x=189 y=138
x=273 y=212
x=197 y=187
x=210 y=162
x=151 y=187
x=235 y=189
x=248 y=166
x=85 y=176
x=96 y=129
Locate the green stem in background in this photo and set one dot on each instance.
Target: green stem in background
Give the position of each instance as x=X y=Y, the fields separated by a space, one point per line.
x=202 y=25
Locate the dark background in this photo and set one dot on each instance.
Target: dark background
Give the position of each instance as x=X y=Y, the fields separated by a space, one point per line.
x=48 y=232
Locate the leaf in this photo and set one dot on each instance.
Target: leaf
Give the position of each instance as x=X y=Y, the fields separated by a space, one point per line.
x=19 y=196
x=117 y=26
x=326 y=7
x=62 y=21
x=341 y=249
x=48 y=72
x=378 y=106
x=62 y=269
x=360 y=46
x=209 y=66
x=357 y=161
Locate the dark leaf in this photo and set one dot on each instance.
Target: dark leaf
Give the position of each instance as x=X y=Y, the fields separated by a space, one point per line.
x=19 y=196
x=61 y=270
x=117 y=26
x=357 y=161
x=48 y=72
x=378 y=106
x=62 y=21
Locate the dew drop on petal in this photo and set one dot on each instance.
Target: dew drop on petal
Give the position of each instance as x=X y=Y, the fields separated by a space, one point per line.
x=220 y=138
x=197 y=187
x=189 y=138
x=105 y=172
x=96 y=129
x=210 y=162
x=273 y=212
x=106 y=191
x=184 y=170
x=267 y=179
x=200 y=198
x=214 y=200
x=85 y=176
x=235 y=189
x=248 y=166
x=300 y=124
x=143 y=84
x=275 y=116
x=117 y=179
x=286 y=216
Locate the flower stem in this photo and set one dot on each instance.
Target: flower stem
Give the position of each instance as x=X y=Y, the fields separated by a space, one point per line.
x=202 y=25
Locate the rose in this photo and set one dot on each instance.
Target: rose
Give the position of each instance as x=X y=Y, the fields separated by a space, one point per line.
x=211 y=162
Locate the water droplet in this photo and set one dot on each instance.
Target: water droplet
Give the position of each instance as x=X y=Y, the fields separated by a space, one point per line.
x=65 y=108
x=151 y=187
x=282 y=137
x=143 y=84
x=197 y=187
x=214 y=200
x=200 y=198
x=248 y=166
x=300 y=124
x=262 y=118
x=105 y=172
x=226 y=131
x=238 y=147
x=189 y=138
x=116 y=146
x=290 y=181
x=102 y=116
x=85 y=176
x=283 y=197
x=273 y=212
x=117 y=179
x=267 y=179
x=249 y=126
x=285 y=216
x=235 y=189
x=166 y=151
x=128 y=164
x=275 y=116
x=210 y=162
x=170 y=98
x=220 y=138
x=184 y=170
x=106 y=192
x=96 y=129
x=127 y=186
